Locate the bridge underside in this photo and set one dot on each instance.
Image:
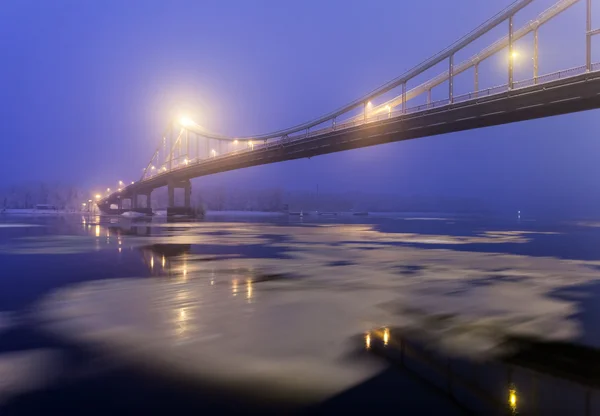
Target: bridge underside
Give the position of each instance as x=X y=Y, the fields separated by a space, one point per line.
x=569 y=95
x=117 y=206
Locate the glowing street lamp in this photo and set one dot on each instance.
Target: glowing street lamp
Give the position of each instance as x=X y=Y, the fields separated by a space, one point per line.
x=107 y=189
x=251 y=144
x=213 y=152
x=98 y=196
x=186 y=121
x=120 y=183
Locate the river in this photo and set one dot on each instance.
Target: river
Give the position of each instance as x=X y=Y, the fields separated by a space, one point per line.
x=437 y=315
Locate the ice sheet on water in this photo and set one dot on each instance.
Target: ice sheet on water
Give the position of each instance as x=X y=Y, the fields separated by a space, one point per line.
x=236 y=234
x=17 y=225
x=24 y=371
x=286 y=324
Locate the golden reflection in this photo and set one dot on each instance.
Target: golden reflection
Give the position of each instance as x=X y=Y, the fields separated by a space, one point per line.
x=249 y=290
x=119 y=249
x=97 y=231
x=368 y=340
x=234 y=287
x=152 y=262
x=182 y=321
x=163 y=261
x=386 y=336
x=512 y=400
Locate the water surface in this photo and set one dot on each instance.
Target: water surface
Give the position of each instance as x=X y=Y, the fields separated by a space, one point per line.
x=312 y=313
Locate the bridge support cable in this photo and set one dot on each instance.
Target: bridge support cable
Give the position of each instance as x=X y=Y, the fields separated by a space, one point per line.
x=511 y=58
x=187 y=143
x=176 y=145
x=403 y=98
x=450 y=80
x=535 y=56
x=588 y=36
x=476 y=81
x=155 y=157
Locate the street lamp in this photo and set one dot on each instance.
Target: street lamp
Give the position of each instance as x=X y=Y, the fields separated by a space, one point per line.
x=98 y=196
x=213 y=152
x=186 y=121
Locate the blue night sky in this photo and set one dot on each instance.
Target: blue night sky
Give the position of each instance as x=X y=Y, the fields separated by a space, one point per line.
x=88 y=86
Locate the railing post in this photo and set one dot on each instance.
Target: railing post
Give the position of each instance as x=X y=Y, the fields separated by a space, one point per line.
x=535 y=55
x=187 y=143
x=428 y=97
x=207 y=147
x=588 y=36
x=404 y=98
x=510 y=53
x=333 y=123
x=170 y=143
x=179 y=147
x=365 y=111
x=451 y=79
x=476 y=78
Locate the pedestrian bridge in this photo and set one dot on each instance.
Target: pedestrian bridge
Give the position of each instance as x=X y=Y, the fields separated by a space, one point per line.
x=186 y=150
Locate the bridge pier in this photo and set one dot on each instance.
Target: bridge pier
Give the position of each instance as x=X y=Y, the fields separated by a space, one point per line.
x=136 y=202
x=186 y=209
